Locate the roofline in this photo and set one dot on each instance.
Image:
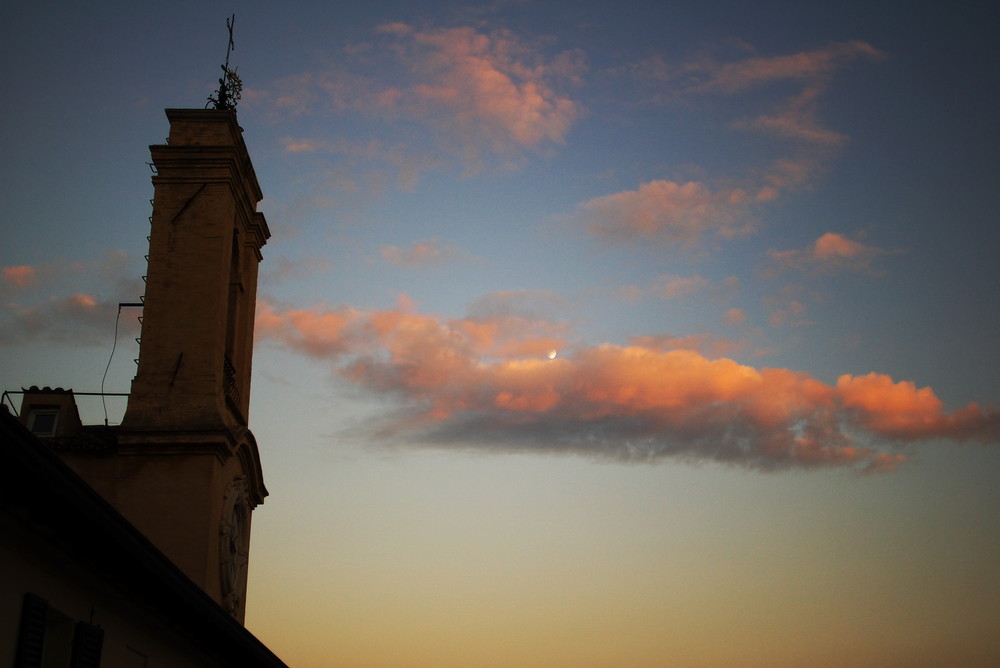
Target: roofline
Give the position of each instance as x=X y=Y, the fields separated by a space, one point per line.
x=37 y=479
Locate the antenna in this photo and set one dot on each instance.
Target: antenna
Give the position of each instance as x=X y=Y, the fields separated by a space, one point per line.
x=230 y=85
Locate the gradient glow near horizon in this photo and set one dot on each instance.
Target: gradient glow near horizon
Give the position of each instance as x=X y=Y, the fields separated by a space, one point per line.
x=589 y=334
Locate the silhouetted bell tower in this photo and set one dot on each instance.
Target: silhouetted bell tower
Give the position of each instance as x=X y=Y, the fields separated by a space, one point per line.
x=190 y=470
x=201 y=285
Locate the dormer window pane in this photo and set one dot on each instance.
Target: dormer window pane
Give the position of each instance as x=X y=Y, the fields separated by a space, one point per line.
x=42 y=422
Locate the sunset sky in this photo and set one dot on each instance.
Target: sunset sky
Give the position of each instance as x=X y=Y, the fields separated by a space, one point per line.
x=648 y=334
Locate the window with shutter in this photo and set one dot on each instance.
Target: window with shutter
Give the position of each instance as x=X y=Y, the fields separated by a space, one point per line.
x=31 y=638
x=87 y=642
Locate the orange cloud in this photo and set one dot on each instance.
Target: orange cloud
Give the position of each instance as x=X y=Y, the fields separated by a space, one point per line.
x=901 y=410
x=20 y=276
x=888 y=407
x=488 y=382
x=405 y=336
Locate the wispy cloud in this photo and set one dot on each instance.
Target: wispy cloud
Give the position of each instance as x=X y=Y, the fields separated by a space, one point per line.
x=672 y=213
x=480 y=382
x=421 y=254
x=735 y=316
x=79 y=319
x=788 y=308
x=685 y=212
x=807 y=67
x=709 y=346
x=280 y=269
x=480 y=94
x=491 y=85
x=795 y=119
x=670 y=287
x=20 y=276
x=80 y=303
x=406 y=163
x=829 y=253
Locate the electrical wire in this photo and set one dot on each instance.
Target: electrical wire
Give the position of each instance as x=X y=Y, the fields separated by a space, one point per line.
x=114 y=345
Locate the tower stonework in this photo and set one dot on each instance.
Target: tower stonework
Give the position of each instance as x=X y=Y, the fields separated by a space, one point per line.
x=187 y=471
x=205 y=241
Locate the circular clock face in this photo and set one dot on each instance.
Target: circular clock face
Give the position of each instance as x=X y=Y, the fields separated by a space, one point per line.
x=233 y=543
x=232 y=548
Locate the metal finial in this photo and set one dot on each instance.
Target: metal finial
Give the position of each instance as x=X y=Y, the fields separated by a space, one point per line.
x=230 y=84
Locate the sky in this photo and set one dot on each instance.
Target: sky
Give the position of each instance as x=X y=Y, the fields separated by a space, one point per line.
x=654 y=334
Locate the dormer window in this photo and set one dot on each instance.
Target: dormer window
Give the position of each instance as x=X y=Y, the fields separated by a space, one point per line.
x=48 y=412
x=43 y=421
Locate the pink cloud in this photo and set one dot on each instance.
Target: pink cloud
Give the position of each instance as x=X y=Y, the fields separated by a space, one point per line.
x=477 y=381
x=394 y=28
x=793 y=118
x=281 y=269
x=20 y=276
x=735 y=316
x=705 y=344
x=830 y=252
x=796 y=119
x=479 y=93
x=79 y=319
x=631 y=294
x=670 y=287
x=833 y=246
x=667 y=212
x=672 y=212
x=487 y=87
x=788 y=307
x=405 y=335
x=69 y=314
x=408 y=164
x=429 y=253
x=302 y=146
x=803 y=66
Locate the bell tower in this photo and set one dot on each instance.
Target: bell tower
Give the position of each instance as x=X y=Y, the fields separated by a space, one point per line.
x=201 y=283
x=189 y=472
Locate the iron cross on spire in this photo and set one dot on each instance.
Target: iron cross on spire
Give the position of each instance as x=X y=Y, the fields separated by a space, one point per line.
x=230 y=85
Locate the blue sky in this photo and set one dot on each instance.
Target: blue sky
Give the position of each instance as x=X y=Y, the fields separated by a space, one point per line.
x=578 y=320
